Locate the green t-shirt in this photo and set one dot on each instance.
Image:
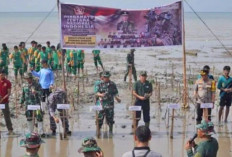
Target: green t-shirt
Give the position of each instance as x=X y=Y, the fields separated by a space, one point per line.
x=142 y=88
x=43 y=55
x=80 y=55
x=3 y=58
x=55 y=57
x=17 y=60
x=48 y=50
x=96 y=53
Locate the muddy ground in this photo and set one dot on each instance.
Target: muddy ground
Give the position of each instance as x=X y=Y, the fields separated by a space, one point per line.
x=164 y=65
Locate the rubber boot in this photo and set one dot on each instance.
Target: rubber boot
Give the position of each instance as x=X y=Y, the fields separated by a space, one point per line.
x=40 y=129
x=43 y=106
x=30 y=126
x=147 y=124
x=111 y=130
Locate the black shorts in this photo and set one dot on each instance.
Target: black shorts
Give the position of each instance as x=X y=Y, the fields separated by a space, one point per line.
x=225 y=101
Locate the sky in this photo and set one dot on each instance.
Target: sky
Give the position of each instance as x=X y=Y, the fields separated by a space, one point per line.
x=47 y=5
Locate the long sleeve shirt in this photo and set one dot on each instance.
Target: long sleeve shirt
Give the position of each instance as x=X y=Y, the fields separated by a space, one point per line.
x=46 y=77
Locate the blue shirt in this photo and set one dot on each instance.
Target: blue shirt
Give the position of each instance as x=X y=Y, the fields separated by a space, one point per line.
x=223 y=82
x=209 y=76
x=46 y=77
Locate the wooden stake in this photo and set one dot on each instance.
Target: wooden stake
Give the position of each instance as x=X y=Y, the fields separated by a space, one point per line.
x=158 y=95
x=63 y=74
x=185 y=96
x=97 y=125
x=172 y=124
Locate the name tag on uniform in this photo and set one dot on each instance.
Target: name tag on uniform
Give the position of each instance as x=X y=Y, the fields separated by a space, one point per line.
x=135 y=108
x=2 y=106
x=63 y=106
x=207 y=105
x=96 y=108
x=33 y=107
x=174 y=106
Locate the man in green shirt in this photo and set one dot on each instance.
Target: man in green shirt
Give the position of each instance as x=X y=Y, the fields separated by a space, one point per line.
x=208 y=146
x=67 y=61
x=54 y=59
x=73 y=63
x=32 y=144
x=80 y=61
x=17 y=59
x=4 y=58
x=142 y=90
x=37 y=57
x=25 y=66
x=31 y=55
x=97 y=59
x=49 y=51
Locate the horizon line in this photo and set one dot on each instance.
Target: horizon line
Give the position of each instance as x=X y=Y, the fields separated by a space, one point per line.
x=57 y=12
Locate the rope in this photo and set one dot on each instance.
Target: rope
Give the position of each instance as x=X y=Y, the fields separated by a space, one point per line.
x=49 y=13
x=208 y=28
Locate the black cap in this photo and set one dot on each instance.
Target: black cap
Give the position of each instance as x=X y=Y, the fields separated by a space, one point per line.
x=44 y=61
x=125 y=13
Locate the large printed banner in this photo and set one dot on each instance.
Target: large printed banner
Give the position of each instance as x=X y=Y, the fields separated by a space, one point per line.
x=98 y=27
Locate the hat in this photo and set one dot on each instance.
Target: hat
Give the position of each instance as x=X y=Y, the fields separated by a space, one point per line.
x=44 y=61
x=106 y=74
x=125 y=13
x=89 y=145
x=203 y=72
x=28 y=75
x=132 y=50
x=206 y=127
x=143 y=73
x=32 y=140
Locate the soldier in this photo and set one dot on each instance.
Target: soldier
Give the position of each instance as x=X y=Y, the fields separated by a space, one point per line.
x=32 y=144
x=31 y=51
x=59 y=96
x=204 y=93
x=17 y=58
x=142 y=90
x=4 y=58
x=31 y=94
x=97 y=58
x=80 y=61
x=126 y=26
x=130 y=64
x=107 y=91
x=90 y=148
x=225 y=87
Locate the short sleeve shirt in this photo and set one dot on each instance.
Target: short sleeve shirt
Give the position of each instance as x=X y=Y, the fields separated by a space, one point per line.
x=142 y=88
x=4 y=86
x=204 y=90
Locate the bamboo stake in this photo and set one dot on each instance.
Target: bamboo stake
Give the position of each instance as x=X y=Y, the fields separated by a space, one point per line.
x=172 y=124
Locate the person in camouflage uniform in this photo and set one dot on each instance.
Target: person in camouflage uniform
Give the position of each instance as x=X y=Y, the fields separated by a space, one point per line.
x=31 y=94
x=59 y=96
x=130 y=64
x=97 y=59
x=32 y=144
x=107 y=91
x=126 y=26
x=4 y=58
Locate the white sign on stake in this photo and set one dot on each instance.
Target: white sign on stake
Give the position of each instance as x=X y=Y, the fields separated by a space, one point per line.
x=33 y=107
x=63 y=106
x=135 y=108
x=207 y=105
x=174 y=106
x=96 y=108
x=2 y=106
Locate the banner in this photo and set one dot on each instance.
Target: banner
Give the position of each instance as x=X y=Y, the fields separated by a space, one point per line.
x=99 y=27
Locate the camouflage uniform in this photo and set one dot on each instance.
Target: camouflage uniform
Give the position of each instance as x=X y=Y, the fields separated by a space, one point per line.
x=30 y=98
x=107 y=102
x=130 y=64
x=57 y=97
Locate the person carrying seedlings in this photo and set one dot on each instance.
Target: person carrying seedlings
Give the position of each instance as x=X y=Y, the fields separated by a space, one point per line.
x=59 y=96
x=31 y=94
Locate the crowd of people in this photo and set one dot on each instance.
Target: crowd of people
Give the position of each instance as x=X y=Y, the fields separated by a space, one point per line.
x=44 y=61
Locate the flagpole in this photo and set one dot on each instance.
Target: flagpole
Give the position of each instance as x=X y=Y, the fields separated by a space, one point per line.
x=185 y=91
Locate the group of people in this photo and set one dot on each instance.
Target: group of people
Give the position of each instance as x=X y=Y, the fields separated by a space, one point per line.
x=44 y=93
